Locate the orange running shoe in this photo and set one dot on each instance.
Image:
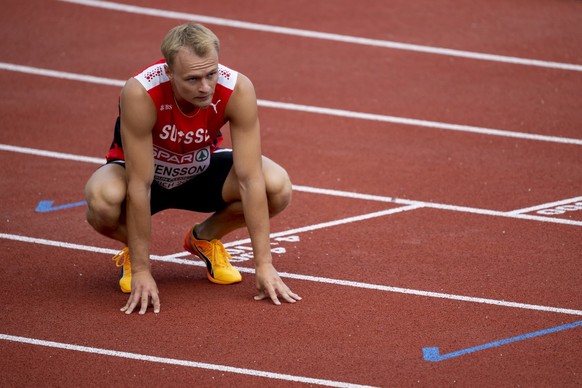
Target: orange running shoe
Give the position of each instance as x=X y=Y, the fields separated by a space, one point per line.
x=122 y=261
x=215 y=256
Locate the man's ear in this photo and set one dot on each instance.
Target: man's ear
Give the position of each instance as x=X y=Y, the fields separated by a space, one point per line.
x=168 y=71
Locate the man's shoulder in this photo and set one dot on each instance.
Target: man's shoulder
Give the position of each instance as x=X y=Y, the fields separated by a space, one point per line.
x=227 y=77
x=153 y=75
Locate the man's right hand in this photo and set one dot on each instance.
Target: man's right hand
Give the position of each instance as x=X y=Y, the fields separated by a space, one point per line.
x=143 y=290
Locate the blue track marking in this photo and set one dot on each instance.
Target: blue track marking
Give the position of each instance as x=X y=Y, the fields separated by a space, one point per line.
x=47 y=206
x=432 y=353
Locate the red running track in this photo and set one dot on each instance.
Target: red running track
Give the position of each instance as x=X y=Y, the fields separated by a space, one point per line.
x=429 y=237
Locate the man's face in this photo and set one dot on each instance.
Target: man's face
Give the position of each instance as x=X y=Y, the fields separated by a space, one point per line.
x=194 y=78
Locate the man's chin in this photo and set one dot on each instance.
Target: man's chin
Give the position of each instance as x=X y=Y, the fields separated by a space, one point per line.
x=202 y=102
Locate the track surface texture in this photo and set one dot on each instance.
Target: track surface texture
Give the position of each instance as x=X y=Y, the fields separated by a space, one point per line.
x=435 y=232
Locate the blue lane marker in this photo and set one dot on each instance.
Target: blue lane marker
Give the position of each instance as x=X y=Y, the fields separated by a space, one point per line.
x=432 y=353
x=47 y=206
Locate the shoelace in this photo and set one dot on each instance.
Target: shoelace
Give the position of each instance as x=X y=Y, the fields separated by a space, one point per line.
x=214 y=250
x=220 y=255
x=120 y=257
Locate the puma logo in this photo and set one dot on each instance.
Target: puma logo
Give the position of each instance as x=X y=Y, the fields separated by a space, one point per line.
x=214 y=106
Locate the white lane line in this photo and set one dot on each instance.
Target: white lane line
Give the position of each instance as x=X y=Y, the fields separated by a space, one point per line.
x=178 y=362
x=318 y=110
x=419 y=123
x=440 y=206
x=336 y=193
x=545 y=205
x=60 y=74
x=430 y=294
x=89 y=248
x=346 y=283
x=51 y=154
x=319 y=226
x=325 y=36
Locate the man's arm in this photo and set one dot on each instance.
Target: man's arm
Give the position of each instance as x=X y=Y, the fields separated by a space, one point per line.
x=138 y=117
x=242 y=114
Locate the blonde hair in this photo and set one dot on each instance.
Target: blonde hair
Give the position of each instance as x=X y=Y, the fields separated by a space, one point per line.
x=193 y=36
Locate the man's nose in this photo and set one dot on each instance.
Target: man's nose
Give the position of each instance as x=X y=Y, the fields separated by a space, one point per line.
x=204 y=85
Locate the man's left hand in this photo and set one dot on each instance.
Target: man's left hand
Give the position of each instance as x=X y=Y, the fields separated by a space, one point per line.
x=270 y=285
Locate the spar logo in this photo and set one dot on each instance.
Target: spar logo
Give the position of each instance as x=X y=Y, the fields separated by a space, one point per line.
x=171 y=157
x=199 y=156
x=172 y=133
x=202 y=155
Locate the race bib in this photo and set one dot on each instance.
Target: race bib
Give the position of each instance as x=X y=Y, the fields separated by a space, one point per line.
x=172 y=169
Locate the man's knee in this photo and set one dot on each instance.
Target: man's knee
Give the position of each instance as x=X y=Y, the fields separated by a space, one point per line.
x=279 y=190
x=104 y=204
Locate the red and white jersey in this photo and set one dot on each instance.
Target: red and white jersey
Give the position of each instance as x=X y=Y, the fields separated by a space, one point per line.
x=183 y=143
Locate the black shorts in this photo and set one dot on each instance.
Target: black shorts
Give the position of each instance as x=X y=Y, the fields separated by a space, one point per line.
x=203 y=193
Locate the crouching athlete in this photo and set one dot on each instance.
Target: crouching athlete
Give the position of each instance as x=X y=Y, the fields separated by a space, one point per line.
x=165 y=155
